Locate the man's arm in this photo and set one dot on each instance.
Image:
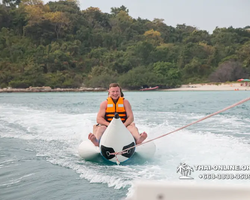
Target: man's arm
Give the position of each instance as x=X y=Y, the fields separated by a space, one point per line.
x=130 y=115
x=101 y=114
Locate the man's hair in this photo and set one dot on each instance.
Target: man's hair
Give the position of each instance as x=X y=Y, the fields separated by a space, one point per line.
x=116 y=85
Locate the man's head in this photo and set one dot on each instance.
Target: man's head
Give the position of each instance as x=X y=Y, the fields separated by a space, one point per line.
x=115 y=91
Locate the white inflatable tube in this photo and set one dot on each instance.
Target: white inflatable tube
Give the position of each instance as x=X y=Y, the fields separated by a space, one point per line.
x=88 y=151
x=116 y=138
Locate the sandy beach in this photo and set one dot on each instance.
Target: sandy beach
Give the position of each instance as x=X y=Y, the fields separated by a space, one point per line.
x=214 y=87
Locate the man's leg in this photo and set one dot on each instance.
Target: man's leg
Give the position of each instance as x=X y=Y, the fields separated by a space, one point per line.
x=94 y=137
x=98 y=131
x=139 y=138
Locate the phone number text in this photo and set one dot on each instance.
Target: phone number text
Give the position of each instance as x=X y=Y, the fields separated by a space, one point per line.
x=224 y=176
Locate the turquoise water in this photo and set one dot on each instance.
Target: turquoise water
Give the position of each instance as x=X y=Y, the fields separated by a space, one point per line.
x=40 y=134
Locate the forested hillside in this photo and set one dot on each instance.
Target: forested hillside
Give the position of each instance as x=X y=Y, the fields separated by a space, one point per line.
x=58 y=45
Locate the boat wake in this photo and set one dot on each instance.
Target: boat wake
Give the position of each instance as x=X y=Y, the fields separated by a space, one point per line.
x=55 y=136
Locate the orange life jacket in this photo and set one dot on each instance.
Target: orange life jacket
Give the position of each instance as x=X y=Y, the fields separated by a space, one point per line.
x=113 y=108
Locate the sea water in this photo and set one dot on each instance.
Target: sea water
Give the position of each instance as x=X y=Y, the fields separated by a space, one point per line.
x=40 y=134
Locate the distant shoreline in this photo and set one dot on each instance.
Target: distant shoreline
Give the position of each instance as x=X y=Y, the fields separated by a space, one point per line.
x=214 y=87
x=189 y=87
x=48 y=89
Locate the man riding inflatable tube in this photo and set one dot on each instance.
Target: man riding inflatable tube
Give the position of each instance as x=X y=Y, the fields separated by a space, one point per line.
x=115 y=103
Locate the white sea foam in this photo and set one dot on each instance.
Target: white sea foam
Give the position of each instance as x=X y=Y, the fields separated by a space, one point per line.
x=16 y=180
x=57 y=135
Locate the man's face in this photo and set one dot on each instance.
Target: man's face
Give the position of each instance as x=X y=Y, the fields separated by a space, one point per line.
x=114 y=92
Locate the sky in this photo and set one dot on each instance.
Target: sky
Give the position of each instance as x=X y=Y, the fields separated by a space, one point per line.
x=202 y=14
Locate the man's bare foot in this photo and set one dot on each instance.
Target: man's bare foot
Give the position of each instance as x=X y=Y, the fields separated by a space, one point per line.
x=93 y=139
x=142 y=138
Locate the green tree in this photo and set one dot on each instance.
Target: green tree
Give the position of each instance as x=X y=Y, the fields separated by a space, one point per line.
x=138 y=77
x=228 y=71
x=115 y=11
